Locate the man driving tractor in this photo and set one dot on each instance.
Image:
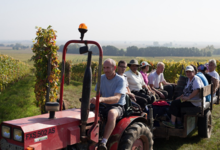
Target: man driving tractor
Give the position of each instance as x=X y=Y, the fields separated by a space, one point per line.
x=112 y=90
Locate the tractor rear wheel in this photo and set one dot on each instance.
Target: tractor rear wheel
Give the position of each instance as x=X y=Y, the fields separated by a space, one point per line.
x=136 y=137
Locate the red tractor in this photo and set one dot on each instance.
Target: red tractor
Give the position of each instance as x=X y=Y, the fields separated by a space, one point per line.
x=78 y=129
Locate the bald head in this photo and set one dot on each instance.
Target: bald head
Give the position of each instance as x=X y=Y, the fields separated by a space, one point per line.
x=111 y=61
x=109 y=67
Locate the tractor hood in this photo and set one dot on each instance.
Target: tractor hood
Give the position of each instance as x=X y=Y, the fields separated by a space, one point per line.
x=41 y=121
x=39 y=131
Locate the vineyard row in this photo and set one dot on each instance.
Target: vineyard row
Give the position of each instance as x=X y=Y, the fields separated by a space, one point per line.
x=11 y=70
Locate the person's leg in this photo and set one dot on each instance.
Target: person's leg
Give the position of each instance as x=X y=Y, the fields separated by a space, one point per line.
x=165 y=93
x=113 y=114
x=144 y=100
x=175 y=108
x=175 y=112
x=110 y=125
x=169 y=89
x=173 y=119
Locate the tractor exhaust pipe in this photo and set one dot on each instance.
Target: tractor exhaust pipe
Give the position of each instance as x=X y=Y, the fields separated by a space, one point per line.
x=87 y=82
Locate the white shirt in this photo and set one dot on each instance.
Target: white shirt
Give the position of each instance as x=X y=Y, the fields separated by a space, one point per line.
x=155 y=79
x=197 y=83
x=214 y=74
x=135 y=81
x=126 y=80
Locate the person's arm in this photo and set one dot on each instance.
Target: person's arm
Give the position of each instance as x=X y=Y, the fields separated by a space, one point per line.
x=158 y=92
x=166 y=83
x=179 y=97
x=131 y=95
x=151 y=89
x=193 y=94
x=108 y=100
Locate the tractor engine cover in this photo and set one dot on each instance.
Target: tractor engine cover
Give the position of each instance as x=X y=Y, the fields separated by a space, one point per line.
x=42 y=133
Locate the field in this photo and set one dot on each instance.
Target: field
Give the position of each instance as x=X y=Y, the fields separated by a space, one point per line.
x=17 y=101
x=25 y=55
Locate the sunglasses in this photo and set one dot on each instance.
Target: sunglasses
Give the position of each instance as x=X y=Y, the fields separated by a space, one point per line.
x=122 y=66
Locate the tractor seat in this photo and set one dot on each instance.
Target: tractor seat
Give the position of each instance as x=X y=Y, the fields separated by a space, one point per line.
x=127 y=106
x=131 y=107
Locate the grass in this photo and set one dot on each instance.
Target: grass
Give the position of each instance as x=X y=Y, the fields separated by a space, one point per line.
x=73 y=92
x=17 y=101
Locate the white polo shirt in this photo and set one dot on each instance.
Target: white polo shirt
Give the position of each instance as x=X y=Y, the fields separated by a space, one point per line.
x=214 y=74
x=155 y=79
x=135 y=81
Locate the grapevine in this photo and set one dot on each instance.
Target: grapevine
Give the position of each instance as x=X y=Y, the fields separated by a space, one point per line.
x=11 y=70
x=44 y=48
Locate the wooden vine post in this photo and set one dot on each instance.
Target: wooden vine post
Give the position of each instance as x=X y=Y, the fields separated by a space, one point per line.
x=47 y=77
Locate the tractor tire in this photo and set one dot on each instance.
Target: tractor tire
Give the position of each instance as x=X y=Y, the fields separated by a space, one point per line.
x=205 y=125
x=137 y=136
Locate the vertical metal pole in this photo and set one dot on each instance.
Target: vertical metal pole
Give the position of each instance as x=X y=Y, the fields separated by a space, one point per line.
x=48 y=82
x=95 y=76
x=151 y=119
x=211 y=106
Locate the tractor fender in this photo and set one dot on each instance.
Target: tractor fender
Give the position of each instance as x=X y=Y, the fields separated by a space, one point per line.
x=120 y=127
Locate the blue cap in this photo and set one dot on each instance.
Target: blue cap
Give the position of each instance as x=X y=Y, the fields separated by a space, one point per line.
x=201 y=67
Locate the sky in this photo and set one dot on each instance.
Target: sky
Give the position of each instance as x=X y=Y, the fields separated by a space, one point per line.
x=113 y=20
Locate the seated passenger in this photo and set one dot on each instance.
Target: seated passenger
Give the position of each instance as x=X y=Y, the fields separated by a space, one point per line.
x=200 y=74
x=122 y=65
x=137 y=84
x=213 y=73
x=157 y=77
x=212 y=66
x=144 y=69
x=112 y=90
x=190 y=92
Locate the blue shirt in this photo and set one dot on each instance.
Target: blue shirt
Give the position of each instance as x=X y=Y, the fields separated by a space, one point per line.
x=205 y=82
x=109 y=88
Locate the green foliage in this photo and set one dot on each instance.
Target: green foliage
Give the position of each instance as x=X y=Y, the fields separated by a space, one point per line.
x=11 y=70
x=77 y=70
x=43 y=49
x=67 y=71
x=18 y=101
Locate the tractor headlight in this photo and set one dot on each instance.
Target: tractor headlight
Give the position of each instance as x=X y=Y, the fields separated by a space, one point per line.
x=18 y=135
x=6 y=131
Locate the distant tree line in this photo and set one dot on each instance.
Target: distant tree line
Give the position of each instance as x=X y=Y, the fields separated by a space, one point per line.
x=216 y=52
x=147 y=51
x=16 y=46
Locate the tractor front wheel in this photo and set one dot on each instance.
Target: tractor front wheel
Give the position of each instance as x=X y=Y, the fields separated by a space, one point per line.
x=136 y=137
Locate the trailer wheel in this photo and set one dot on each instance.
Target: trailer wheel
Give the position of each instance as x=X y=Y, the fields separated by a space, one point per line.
x=205 y=125
x=136 y=137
